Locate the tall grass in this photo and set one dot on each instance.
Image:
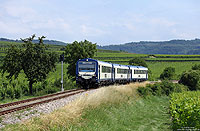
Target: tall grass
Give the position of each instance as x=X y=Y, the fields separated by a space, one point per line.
x=71 y=113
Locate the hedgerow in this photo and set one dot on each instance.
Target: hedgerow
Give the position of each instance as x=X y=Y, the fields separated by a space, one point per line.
x=163 y=88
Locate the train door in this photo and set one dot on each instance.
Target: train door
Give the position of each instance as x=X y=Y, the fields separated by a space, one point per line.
x=99 y=72
x=114 y=74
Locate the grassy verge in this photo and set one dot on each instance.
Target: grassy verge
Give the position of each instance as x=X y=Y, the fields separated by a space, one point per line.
x=145 y=114
x=109 y=108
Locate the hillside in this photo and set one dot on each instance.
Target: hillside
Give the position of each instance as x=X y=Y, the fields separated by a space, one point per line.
x=51 y=42
x=163 y=47
x=176 y=47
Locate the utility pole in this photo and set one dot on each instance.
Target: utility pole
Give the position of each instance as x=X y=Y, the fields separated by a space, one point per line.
x=62 y=59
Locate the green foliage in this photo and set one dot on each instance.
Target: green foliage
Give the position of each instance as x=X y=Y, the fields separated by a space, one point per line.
x=76 y=51
x=196 y=67
x=168 y=73
x=145 y=91
x=159 y=89
x=191 y=79
x=33 y=59
x=136 y=61
x=185 y=110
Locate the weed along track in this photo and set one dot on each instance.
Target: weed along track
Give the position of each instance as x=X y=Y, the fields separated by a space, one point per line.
x=20 y=105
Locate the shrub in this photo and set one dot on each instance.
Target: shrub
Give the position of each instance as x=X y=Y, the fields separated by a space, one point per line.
x=180 y=88
x=196 y=67
x=191 y=79
x=163 y=88
x=185 y=110
x=136 y=61
x=2 y=93
x=168 y=73
x=10 y=92
x=144 y=91
x=18 y=92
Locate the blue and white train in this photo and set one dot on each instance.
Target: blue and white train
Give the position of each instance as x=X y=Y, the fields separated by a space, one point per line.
x=93 y=73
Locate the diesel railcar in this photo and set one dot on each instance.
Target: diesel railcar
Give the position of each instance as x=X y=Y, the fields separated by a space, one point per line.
x=93 y=73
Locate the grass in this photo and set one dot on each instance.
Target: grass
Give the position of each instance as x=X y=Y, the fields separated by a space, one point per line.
x=158 y=67
x=145 y=114
x=109 y=108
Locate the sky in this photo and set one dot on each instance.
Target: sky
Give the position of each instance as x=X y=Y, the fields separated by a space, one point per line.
x=104 y=22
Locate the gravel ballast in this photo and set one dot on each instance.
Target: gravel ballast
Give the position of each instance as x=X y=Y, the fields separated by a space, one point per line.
x=20 y=116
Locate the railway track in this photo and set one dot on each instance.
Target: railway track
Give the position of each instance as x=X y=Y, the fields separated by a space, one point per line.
x=23 y=104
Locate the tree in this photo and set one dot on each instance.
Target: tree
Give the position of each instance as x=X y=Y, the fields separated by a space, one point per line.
x=168 y=73
x=33 y=59
x=191 y=79
x=136 y=61
x=76 y=51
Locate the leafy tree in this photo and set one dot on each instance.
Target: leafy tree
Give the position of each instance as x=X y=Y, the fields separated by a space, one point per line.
x=33 y=59
x=76 y=51
x=191 y=79
x=136 y=61
x=168 y=73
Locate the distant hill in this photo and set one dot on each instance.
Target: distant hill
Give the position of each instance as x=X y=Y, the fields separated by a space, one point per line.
x=162 y=47
x=184 y=47
x=52 y=42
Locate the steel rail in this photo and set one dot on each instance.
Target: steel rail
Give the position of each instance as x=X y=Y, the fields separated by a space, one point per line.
x=40 y=102
x=36 y=98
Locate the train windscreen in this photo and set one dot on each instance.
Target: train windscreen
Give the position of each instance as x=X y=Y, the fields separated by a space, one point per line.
x=86 y=66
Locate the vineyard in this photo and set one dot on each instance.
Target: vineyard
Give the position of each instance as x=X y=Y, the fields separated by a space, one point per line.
x=185 y=110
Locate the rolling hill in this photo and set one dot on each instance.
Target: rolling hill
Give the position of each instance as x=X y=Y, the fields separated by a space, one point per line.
x=187 y=47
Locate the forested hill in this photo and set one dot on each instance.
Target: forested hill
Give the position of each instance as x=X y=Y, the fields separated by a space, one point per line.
x=162 y=47
x=143 y=47
x=53 y=42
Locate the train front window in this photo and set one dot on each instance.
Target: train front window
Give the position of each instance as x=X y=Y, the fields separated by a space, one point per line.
x=86 y=66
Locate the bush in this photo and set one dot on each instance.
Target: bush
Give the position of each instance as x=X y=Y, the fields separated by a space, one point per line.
x=185 y=110
x=144 y=91
x=136 y=61
x=191 y=79
x=18 y=92
x=180 y=88
x=168 y=73
x=196 y=67
x=10 y=92
x=2 y=93
x=163 y=88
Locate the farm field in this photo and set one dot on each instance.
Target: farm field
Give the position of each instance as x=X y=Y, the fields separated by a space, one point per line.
x=157 y=68
x=157 y=65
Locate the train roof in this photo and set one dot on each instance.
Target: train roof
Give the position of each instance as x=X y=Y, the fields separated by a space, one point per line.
x=89 y=59
x=138 y=67
x=120 y=65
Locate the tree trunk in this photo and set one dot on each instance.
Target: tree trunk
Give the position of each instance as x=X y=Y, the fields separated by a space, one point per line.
x=31 y=87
